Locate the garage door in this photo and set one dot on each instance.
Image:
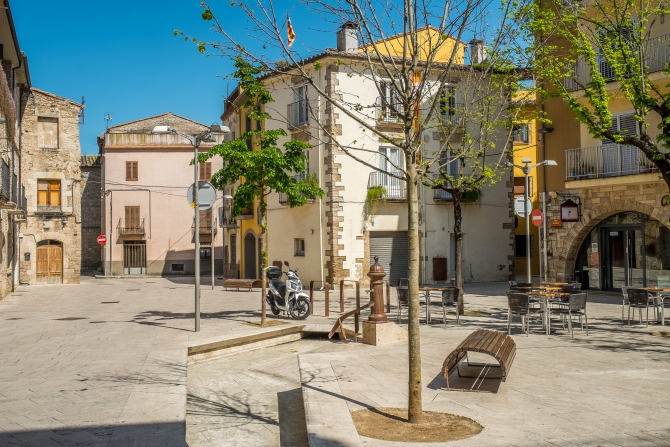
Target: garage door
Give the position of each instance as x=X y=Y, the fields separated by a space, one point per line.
x=391 y=247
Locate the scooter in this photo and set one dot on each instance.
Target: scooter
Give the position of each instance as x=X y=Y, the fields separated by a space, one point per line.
x=287 y=296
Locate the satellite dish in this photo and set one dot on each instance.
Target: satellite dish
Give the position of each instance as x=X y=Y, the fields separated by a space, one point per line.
x=206 y=196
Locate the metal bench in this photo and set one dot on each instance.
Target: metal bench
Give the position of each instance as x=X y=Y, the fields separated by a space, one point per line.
x=496 y=344
x=242 y=283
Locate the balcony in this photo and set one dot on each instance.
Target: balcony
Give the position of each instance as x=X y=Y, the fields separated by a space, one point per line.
x=396 y=189
x=389 y=112
x=207 y=231
x=657 y=55
x=283 y=197
x=608 y=160
x=298 y=114
x=247 y=213
x=127 y=227
x=229 y=222
x=440 y=195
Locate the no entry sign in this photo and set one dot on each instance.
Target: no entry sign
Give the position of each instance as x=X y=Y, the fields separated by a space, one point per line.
x=102 y=239
x=536 y=217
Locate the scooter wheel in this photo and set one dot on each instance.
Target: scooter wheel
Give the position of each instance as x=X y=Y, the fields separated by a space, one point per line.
x=275 y=310
x=300 y=308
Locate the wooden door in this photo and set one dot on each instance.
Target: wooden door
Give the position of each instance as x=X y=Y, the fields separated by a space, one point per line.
x=49 y=264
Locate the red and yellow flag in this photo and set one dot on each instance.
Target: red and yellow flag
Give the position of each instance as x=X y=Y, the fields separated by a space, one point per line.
x=290 y=32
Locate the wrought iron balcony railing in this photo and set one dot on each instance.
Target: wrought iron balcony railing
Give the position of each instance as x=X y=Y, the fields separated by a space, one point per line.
x=389 y=111
x=442 y=195
x=608 y=160
x=130 y=226
x=395 y=188
x=283 y=197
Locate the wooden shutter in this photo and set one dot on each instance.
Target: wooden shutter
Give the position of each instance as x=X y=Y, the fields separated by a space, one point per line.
x=205 y=171
x=132 y=217
x=131 y=171
x=42 y=193
x=205 y=219
x=54 y=193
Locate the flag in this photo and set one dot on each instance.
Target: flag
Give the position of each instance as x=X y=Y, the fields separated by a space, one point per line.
x=289 y=31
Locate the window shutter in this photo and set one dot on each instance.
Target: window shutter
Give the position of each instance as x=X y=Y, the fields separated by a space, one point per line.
x=42 y=193
x=628 y=124
x=129 y=170
x=54 y=193
x=135 y=173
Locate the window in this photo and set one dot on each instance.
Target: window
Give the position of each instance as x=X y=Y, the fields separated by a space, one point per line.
x=48 y=193
x=132 y=221
x=177 y=267
x=299 y=247
x=520 y=186
x=47 y=133
x=131 y=171
x=520 y=245
x=448 y=104
x=520 y=134
x=205 y=253
x=391 y=104
x=205 y=171
x=247 y=128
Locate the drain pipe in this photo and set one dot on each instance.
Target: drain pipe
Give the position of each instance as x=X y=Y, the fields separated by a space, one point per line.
x=318 y=107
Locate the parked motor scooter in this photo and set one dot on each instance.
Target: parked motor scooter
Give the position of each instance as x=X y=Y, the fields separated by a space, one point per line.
x=287 y=296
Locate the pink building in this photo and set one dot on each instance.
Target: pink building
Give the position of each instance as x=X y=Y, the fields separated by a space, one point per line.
x=146 y=216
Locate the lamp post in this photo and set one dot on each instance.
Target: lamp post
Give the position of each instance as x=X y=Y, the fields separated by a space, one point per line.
x=195 y=141
x=526 y=168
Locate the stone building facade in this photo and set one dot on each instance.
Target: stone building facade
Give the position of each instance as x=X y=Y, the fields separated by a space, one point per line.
x=91 y=187
x=50 y=250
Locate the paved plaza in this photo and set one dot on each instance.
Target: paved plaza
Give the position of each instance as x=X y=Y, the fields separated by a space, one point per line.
x=104 y=363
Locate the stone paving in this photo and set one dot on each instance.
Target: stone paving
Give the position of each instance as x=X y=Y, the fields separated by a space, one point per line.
x=104 y=363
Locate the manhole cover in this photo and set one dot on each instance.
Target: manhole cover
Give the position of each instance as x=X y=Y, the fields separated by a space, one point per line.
x=70 y=318
x=109 y=302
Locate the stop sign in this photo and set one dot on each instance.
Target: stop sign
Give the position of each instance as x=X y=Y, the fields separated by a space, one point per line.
x=102 y=239
x=536 y=217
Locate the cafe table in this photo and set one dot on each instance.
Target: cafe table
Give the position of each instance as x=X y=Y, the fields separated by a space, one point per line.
x=544 y=301
x=657 y=291
x=427 y=291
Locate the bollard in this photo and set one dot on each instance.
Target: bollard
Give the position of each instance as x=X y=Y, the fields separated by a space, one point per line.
x=311 y=297
x=341 y=295
x=327 y=289
x=388 y=297
x=358 y=306
x=376 y=275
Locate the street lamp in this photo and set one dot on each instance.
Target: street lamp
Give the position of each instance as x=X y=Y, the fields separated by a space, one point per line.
x=195 y=141
x=526 y=168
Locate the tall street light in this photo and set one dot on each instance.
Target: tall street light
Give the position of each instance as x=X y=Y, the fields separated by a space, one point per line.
x=526 y=168
x=195 y=141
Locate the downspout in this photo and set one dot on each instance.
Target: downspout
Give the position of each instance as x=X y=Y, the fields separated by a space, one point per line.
x=320 y=155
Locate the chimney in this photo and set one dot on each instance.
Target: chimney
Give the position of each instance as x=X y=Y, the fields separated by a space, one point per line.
x=347 y=38
x=477 y=51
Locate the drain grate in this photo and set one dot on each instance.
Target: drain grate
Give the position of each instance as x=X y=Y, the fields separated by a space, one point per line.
x=110 y=302
x=70 y=318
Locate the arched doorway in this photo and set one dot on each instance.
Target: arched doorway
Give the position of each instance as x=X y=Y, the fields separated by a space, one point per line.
x=249 y=256
x=49 y=268
x=625 y=249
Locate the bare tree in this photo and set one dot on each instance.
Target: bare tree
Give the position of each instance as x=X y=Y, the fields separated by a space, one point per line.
x=410 y=54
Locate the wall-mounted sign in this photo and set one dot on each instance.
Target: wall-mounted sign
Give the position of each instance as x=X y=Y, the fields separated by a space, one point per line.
x=569 y=211
x=594 y=248
x=555 y=223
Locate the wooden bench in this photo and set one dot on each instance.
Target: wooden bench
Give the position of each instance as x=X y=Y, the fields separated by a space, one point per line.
x=496 y=344
x=241 y=283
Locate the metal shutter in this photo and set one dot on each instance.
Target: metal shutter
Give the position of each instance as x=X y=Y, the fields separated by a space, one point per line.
x=392 y=249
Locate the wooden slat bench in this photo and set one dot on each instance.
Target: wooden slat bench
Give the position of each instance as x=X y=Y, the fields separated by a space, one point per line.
x=241 y=284
x=496 y=344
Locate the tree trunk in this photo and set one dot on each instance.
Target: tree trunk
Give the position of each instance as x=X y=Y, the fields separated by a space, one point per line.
x=264 y=256
x=414 y=406
x=458 y=249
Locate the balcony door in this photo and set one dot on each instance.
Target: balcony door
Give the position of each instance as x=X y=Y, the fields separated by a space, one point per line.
x=390 y=161
x=132 y=220
x=620 y=159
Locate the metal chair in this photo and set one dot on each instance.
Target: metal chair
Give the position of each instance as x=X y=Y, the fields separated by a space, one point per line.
x=403 y=296
x=450 y=299
x=624 y=291
x=519 y=304
x=640 y=299
x=576 y=305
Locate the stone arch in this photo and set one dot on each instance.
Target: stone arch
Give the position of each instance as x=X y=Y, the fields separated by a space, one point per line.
x=49 y=235
x=567 y=253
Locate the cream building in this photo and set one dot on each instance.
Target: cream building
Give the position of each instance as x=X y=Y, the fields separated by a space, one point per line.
x=147 y=219
x=331 y=239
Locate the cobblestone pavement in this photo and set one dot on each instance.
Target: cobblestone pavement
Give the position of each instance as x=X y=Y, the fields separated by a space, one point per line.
x=104 y=363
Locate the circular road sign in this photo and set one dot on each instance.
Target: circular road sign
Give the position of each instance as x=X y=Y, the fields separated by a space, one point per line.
x=518 y=206
x=536 y=217
x=206 y=196
x=102 y=239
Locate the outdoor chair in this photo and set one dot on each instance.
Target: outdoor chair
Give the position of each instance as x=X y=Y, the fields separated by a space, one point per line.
x=575 y=306
x=640 y=299
x=624 y=291
x=450 y=299
x=403 y=296
x=512 y=284
x=519 y=304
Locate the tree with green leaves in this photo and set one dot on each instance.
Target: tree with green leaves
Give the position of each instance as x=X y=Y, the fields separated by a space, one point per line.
x=264 y=168
x=593 y=53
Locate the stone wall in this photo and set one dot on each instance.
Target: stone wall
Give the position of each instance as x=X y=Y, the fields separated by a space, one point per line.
x=55 y=224
x=91 y=252
x=597 y=203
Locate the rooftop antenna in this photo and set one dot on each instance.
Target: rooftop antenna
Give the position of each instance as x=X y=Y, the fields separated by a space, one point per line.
x=108 y=118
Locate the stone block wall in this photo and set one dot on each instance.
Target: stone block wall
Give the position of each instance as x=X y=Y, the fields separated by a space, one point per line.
x=91 y=187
